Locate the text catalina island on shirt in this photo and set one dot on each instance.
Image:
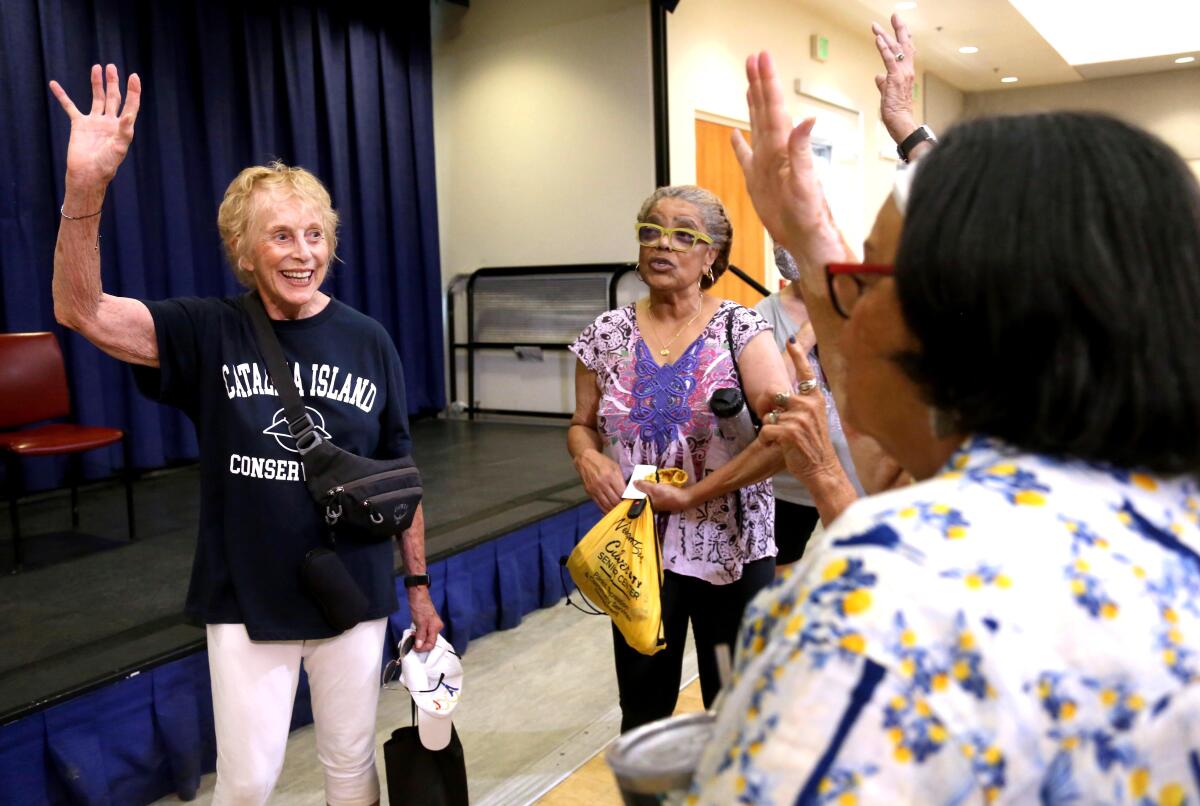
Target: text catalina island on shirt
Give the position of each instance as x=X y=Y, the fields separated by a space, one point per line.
x=248 y=379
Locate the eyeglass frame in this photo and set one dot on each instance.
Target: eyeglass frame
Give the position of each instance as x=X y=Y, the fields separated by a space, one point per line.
x=667 y=231
x=853 y=269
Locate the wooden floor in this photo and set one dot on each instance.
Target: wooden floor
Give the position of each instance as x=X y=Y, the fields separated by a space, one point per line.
x=593 y=784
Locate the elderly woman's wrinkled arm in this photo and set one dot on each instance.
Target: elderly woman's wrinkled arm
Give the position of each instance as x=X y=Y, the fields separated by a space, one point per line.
x=119 y=326
x=601 y=476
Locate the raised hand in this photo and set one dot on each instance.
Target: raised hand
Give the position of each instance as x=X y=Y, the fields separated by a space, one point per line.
x=101 y=138
x=801 y=428
x=896 y=84
x=781 y=177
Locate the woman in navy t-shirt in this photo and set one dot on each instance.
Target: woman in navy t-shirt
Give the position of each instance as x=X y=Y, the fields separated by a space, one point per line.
x=257 y=520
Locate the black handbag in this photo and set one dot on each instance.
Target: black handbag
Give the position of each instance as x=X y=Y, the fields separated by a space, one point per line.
x=418 y=776
x=378 y=498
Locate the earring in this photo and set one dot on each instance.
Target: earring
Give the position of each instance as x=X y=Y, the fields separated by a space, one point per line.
x=941 y=423
x=711 y=277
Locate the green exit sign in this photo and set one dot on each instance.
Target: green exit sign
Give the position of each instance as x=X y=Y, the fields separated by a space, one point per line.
x=820 y=47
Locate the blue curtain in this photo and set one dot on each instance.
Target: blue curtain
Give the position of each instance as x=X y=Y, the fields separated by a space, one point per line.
x=342 y=88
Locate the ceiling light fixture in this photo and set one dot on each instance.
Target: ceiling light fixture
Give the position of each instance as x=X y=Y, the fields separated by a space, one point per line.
x=968 y=49
x=1185 y=60
x=1009 y=80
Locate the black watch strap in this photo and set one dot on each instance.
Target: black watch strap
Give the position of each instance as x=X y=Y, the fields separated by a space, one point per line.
x=920 y=135
x=415 y=580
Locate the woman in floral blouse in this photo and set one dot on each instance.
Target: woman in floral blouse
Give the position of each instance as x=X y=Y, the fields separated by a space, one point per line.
x=643 y=382
x=1023 y=624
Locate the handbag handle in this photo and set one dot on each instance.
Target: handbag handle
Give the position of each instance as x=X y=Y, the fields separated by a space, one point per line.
x=299 y=421
x=737 y=372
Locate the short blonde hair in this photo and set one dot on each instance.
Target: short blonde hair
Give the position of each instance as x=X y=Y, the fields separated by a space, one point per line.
x=236 y=214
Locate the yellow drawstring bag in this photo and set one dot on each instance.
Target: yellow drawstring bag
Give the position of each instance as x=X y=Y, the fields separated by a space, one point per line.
x=618 y=567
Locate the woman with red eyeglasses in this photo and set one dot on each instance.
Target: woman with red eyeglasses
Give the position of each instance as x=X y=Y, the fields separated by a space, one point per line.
x=1021 y=623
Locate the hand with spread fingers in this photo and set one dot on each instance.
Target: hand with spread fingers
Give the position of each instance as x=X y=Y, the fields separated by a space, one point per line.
x=896 y=84
x=100 y=139
x=799 y=424
x=781 y=177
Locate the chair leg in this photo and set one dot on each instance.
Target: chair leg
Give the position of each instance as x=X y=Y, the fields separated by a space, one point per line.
x=12 y=466
x=74 y=474
x=127 y=472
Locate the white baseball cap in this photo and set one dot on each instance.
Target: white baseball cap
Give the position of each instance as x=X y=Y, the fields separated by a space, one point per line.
x=434 y=679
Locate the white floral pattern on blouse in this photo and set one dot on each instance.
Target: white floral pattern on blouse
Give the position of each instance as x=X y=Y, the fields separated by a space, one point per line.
x=1017 y=629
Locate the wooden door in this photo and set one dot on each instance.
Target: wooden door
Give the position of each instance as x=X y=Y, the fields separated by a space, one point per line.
x=717 y=169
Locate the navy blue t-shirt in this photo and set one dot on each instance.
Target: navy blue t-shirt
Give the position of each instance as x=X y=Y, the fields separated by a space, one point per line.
x=257 y=519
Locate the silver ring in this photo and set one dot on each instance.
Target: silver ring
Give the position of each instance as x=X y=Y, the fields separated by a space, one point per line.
x=900 y=56
x=807 y=386
x=773 y=417
x=781 y=399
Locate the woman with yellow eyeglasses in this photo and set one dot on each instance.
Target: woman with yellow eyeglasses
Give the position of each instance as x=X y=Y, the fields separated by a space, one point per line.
x=643 y=384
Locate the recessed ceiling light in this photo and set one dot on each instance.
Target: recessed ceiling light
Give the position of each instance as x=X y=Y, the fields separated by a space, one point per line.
x=1185 y=60
x=905 y=6
x=1009 y=80
x=968 y=49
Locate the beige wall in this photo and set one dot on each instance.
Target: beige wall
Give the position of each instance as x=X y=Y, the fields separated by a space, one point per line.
x=708 y=41
x=943 y=103
x=543 y=130
x=1167 y=104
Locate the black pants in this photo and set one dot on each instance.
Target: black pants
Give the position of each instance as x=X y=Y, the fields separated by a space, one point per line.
x=649 y=684
x=794 y=524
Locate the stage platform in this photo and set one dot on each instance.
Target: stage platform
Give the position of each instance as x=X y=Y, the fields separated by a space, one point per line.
x=94 y=610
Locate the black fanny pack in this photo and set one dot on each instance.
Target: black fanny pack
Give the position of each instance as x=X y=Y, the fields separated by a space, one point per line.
x=365 y=499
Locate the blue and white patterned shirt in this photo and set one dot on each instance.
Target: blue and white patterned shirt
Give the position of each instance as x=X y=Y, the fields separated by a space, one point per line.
x=1017 y=629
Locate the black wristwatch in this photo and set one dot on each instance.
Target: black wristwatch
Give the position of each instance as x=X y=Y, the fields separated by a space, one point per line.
x=919 y=136
x=415 y=580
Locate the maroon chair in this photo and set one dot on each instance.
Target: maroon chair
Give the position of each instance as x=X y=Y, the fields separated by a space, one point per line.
x=33 y=388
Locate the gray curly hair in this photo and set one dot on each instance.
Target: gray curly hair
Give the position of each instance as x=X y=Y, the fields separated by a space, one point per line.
x=712 y=216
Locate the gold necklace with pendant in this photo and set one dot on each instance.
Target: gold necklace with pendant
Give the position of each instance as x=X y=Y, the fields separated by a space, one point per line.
x=666 y=348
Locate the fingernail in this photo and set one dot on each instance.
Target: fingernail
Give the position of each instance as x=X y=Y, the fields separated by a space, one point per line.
x=792 y=339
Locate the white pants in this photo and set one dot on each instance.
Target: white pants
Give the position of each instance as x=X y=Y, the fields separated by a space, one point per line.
x=253 y=689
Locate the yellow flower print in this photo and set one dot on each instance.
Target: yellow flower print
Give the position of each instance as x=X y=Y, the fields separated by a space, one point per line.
x=1169 y=615
x=1135 y=702
x=1003 y=581
x=847 y=799
x=1175 y=636
x=1067 y=711
x=1171 y=795
x=1005 y=469
x=826 y=785
x=794 y=625
x=939 y=509
x=993 y=755
x=899 y=703
x=854 y=642
x=962 y=670
x=922 y=708
x=1169 y=657
x=908 y=638
x=968 y=750
x=940 y=681
x=1143 y=481
x=956 y=532
x=856 y=601
x=1029 y=498
x=937 y=734
x=896 y=735
x=1078 y=587
x=991 y=793
x=908 y=667
x=835 y=569
x=1108 y=697
x=966 y=640
x=1108 y=610
x=1081 y=565
x=974 y=581
x=908 y=512
x=902 y=754
x=756 y=646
